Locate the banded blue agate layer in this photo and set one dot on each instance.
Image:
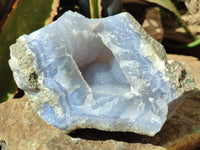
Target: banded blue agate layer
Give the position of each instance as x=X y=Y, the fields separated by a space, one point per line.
x=107 y=74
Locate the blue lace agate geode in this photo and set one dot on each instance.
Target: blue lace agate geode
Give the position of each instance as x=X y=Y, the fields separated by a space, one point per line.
x=107 y=74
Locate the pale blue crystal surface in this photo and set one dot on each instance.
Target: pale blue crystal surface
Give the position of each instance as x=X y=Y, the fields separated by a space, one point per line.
x=106 y=74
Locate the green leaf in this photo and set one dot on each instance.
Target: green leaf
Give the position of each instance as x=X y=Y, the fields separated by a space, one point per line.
x=25 y=17
x=95 y=8
x=194 y=43
x=166 y=4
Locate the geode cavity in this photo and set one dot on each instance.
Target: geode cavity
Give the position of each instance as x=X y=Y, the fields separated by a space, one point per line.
x=107 y=74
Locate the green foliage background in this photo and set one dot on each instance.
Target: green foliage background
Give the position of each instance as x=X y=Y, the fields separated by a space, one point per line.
x=26 y=16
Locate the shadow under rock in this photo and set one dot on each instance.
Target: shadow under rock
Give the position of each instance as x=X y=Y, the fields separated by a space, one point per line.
x=167 y=133
x=94 y=134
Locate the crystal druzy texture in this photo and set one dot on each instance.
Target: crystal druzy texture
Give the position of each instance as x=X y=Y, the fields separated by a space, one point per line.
x=107 y=74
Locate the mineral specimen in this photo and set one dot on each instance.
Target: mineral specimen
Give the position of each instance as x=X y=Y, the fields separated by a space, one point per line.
x=107 y=74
